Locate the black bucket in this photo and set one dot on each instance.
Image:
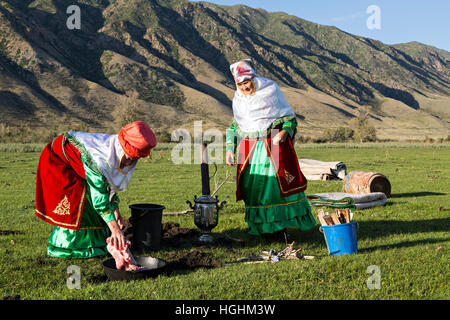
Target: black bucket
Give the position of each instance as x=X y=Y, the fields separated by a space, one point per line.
x=146 y=225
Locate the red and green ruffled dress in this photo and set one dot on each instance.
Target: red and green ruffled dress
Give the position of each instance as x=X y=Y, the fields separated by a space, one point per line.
x=73 y=195
x=273 y=192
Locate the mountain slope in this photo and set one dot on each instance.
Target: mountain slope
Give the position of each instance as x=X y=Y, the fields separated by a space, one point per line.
x=168 y=61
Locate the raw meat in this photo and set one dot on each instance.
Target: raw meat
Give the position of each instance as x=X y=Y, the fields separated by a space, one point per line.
x=124 y=259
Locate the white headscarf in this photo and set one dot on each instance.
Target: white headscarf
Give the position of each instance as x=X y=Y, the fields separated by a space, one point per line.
x=255 y=113
x=106 y=151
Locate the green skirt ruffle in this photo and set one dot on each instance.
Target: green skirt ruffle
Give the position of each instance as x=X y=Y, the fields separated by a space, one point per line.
x=77 y=244
x=265 y=210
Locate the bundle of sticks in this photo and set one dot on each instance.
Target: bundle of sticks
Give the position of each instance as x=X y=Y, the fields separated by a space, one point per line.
x=339 y=216
x=274 y=256
x=287 y=253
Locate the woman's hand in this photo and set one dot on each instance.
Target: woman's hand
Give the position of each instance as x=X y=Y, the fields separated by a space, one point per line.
x=280 y=137
x=230 y=158
x=117 y=239
x=119 y=218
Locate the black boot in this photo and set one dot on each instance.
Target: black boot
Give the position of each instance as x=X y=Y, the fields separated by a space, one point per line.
x=286 y=237
x=282 y=235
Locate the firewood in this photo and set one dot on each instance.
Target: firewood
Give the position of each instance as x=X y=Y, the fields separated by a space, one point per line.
x=335 y=218
x=272 y=255
x=228 y=175
x=177 y=213
x=320 y=214
x=329 y=221
x=233 y=239
x=346 y=214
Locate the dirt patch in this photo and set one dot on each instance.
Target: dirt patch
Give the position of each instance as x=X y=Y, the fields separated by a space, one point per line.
x=15 y=297
x=192 y=260
x=172 y=235
x=43 y=261
x=172 y=230
x=8 y=232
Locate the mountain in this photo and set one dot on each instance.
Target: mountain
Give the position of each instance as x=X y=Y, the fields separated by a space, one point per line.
x=168 y=61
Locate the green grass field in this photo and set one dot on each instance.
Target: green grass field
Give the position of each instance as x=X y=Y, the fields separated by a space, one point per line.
x=408 y=239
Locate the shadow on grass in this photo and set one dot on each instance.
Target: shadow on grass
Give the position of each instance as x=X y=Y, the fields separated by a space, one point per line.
x=417 y=194
x=369 y=230
x=382 y=228
x=232 y=240
x=243 y=239
x=403 y=244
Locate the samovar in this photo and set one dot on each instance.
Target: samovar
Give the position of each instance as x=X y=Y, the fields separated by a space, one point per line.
x=206 y=208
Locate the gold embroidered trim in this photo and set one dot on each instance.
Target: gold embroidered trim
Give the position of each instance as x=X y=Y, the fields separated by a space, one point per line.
x=244 y=164
x=67 y=224
x=106 y=213
x=274 y=205
x=83 y=196
x=93 y=228
x=276 y=173
x=118 y=164
x=289 y=177
x=63 y=207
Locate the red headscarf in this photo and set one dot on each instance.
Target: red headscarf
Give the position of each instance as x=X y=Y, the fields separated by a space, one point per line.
x=137 y=139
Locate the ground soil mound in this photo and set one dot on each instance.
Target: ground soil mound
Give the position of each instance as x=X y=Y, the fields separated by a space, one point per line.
x=192 y=260
x=172 y=235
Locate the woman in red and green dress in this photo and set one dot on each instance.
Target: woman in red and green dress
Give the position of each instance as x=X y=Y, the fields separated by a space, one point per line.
x=79 y=175
x=269 y=179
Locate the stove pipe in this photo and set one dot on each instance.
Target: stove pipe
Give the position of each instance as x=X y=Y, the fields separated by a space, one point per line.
x=205 y=170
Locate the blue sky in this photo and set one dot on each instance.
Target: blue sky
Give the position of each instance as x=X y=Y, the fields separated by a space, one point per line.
x=425 y=21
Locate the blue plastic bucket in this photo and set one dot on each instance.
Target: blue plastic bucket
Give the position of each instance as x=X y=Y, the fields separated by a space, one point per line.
x=341 y=238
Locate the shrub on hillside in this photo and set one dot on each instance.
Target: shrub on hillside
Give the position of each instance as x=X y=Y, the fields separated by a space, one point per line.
x=163 y=137
x=363 y=130
x=340 y=134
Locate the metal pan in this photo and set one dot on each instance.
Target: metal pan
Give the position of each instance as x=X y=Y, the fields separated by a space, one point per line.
x=154 y=267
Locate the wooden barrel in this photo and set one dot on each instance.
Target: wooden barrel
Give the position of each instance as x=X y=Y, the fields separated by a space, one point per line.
x=366 y=182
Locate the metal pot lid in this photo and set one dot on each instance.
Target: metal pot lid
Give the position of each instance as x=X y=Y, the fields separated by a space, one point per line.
x=206 y=198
